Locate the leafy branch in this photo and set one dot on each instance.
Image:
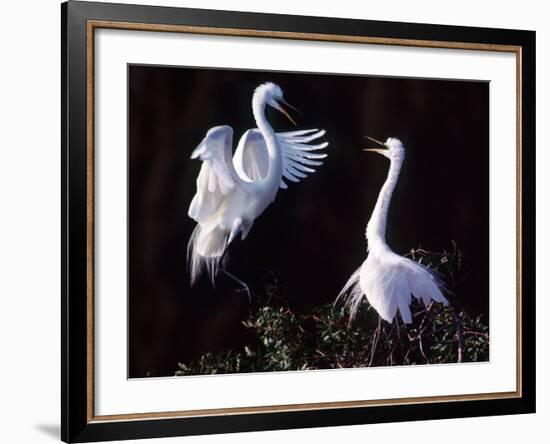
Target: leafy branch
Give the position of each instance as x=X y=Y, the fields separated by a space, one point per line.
x=323 y=339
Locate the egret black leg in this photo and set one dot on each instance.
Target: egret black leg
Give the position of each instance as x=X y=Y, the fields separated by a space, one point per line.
x=374 y=342
x=398 y=333
x=241 y=283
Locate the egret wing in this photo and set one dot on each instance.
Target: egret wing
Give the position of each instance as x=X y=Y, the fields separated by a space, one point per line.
x=251 y=158
x=299 y=156
x=217 y=176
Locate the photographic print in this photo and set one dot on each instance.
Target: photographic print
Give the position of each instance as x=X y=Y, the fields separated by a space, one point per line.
x=257 y=206
x=283 y=221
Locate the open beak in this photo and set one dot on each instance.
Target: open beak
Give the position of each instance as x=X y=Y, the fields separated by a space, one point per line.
x=383 y=151
x=285 y=112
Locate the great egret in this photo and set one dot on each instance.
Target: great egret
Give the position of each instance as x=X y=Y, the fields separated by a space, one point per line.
x=387 y=279
x=233 y=192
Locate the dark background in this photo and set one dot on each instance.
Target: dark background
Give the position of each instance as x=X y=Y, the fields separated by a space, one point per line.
x=312 y=237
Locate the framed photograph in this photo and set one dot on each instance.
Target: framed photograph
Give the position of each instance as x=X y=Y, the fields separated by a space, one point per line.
x=276 y=221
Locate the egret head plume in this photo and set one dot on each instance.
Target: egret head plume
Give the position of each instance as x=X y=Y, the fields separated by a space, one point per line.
x=272 y=94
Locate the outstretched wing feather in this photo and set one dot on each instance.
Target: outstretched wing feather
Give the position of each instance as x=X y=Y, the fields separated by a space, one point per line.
x=297 y=153
x=300 y=138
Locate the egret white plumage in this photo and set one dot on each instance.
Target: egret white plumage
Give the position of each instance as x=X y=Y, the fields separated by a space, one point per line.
x=233 y=192
x=386 y=279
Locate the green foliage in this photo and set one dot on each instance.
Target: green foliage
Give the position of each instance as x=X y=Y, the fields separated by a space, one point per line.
x=287 y=340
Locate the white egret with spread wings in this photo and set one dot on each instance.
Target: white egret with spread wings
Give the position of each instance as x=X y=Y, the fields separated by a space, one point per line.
x=386 y=279
x=233 y=191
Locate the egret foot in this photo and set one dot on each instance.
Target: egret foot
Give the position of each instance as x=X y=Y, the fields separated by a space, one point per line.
x=244 y=286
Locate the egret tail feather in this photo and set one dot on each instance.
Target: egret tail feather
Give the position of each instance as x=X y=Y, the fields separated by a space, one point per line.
x=351 y=294
x=206 y=252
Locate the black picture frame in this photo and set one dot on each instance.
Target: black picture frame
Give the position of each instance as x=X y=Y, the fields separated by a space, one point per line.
x=76 y=423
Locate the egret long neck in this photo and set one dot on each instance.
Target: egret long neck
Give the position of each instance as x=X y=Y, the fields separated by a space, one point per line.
x=376 y=228
x=275 y=168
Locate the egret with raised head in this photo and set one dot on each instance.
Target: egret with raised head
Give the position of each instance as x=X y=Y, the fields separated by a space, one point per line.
x=386 y=279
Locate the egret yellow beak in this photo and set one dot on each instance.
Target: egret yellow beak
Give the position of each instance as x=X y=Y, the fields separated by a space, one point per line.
x=383 y=151
x=290 y=106
x=377 y=150
x=284 y=111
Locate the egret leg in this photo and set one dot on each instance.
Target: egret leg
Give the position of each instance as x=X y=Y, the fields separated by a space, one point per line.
x=398 y=332
x=241 y=283
x=374 y=342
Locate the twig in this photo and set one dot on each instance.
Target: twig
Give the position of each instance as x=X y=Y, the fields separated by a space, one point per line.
x=426 y=252
x=422 y=349
x=459 y=334
x=476 y=333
